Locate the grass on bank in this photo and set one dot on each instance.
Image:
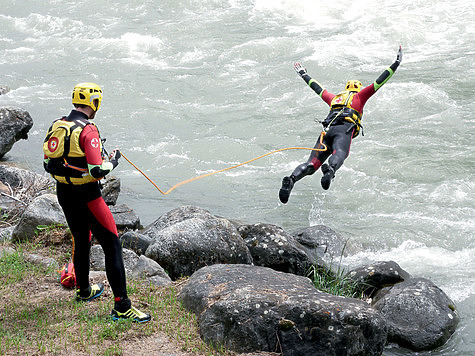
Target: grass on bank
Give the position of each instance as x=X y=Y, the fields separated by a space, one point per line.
x=39 y=316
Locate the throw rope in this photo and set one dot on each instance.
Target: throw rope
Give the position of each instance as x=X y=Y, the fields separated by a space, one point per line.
x=324 y=148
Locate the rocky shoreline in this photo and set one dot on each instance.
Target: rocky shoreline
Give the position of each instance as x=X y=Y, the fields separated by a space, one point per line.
x=247 y=283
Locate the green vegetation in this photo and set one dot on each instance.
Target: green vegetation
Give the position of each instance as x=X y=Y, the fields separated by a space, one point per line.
x=336 y=283
x=39 y=316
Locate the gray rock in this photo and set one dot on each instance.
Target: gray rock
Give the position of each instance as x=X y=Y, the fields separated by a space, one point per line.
x=135 y=241
x=6 y=233
x=97 y=259
x=125 y=217
x=193 y=238
x=110 y=189
x=175 y=216
x=323 y=245
x=15 y=124
x=272 y=247
x=30 y=182
x=47 y=262
x=420 y=316
x=150 y=270
x=43 y=210
x=159 y=281
x=378 y=275
x=250 y=309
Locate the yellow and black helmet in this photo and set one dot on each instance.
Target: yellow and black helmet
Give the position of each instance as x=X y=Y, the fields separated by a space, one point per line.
x=89 y=94
x=353 y=85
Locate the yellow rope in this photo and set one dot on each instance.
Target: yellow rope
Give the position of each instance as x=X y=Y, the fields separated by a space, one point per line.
x=324 y=148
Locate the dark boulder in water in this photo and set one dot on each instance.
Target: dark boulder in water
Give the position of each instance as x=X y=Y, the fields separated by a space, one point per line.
x=15 y=124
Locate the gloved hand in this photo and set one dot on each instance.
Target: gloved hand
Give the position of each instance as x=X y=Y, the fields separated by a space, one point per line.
x=300 y=69
x=114 y=157
x=399 y=55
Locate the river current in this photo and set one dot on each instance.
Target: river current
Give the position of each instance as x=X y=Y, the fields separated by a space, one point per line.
x=191 y=87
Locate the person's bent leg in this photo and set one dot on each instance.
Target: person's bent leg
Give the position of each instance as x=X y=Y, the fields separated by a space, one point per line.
x=308 y=168
x=105 y=231
x=341 y=149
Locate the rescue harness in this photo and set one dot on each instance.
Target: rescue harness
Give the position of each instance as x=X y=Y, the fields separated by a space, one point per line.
x=66 y=160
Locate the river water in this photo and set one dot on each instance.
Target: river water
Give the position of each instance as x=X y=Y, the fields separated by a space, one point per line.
x=191 y=87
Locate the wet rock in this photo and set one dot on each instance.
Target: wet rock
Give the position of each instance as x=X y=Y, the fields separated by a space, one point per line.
x=272 y=247
x=324 y=245
x=188 y=238
x=378 y=275
x=420 y=316
x=251 y=308
x=15 y=124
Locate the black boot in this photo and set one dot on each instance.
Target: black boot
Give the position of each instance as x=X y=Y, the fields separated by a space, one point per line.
x=284 y=192
x=328 y=175
x=325 y=167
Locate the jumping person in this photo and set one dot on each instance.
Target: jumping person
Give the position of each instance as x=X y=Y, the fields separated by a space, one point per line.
x=342 y=124
x=74 y=158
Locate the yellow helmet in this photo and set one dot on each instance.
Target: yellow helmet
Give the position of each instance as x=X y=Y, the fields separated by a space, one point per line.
x=87 y=94
x=353 y=85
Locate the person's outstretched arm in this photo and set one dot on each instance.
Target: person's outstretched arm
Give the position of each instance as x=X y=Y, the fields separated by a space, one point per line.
x=388 y=73
x=368 y=91
x=312 y=83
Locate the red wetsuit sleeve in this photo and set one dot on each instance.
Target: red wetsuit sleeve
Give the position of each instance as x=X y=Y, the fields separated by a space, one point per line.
x=360 y=99
x=327 y=97
x=91 y=144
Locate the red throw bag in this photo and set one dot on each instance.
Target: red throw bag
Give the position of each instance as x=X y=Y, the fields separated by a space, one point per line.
x=68 y=276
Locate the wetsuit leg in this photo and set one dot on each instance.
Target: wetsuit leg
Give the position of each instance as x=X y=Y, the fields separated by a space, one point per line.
x=341 y=138
x=314 y=161
x=105 y=231
x=75 y=210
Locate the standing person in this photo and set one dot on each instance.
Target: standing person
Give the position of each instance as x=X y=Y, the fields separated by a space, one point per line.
x=342 y=124
x=73 y=157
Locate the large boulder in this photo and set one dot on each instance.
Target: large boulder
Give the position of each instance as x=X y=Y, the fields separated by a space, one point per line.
x=251 y=308
x=175 y=216
x=323 y=245
x=420 y=316
x=15 y=124
x=188 y=238
x=42 y=211
x=272 y=247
